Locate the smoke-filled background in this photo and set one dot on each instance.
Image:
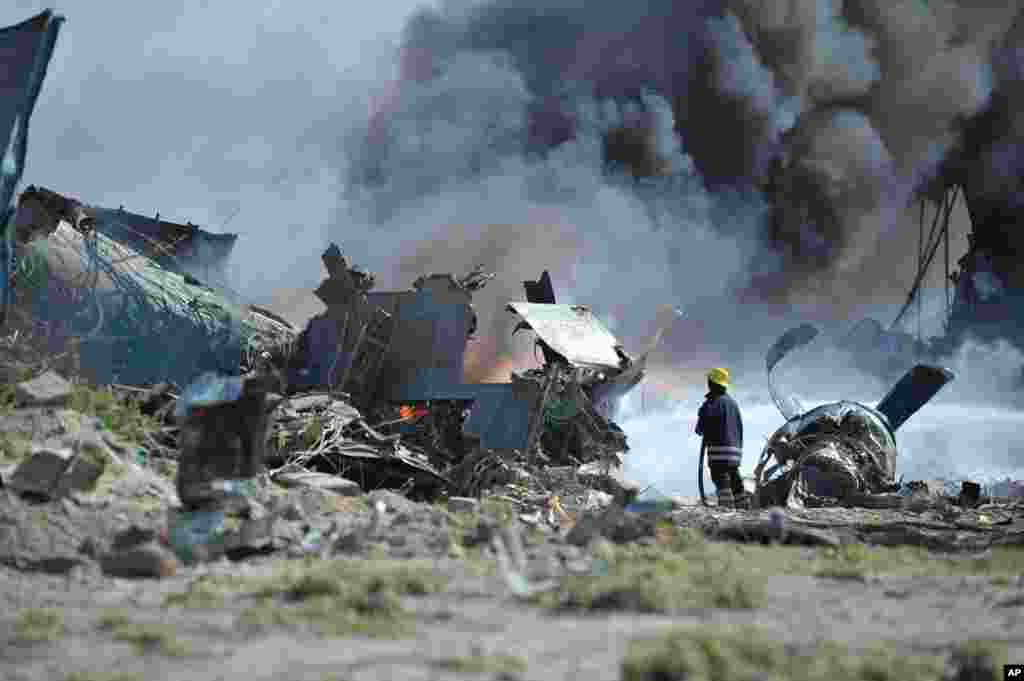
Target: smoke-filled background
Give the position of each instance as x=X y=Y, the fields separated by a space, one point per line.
x=749 y=162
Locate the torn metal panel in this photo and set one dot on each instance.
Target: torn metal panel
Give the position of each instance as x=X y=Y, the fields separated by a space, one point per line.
x=842 y=452
x=431 y=326
x=26 y=48
x=573 y=332
x=316 y=346
x=176 y=247
x=500 y=414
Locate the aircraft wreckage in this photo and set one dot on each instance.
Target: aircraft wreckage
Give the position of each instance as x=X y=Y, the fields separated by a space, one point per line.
x=119 y=288
x=387 y=348
x=838 y=453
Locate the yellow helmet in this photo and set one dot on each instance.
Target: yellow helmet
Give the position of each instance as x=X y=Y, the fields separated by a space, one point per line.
x=720 y=377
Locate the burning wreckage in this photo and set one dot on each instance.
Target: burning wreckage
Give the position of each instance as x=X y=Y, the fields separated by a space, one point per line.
x=397 y=356
x=374 y=384
x=842 y=452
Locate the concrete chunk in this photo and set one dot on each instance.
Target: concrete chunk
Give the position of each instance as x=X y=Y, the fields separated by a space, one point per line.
x=42 y=471
x=81 y=475
x=141 y=561
x=463 y=505
x=322 y=481
x=48 y=389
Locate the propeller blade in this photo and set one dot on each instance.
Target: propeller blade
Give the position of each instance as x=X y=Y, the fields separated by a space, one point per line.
x=913 y=391
x=795 y=338
x=791 y=340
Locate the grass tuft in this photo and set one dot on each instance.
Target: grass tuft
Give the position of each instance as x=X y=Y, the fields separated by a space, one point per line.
x=151 y=638
x=685 y=572
x=120 y=417
x=331 y=597
x=484 y=664
x=110 y=620
x=36 y=625
x=742 y=654
x=14 y=448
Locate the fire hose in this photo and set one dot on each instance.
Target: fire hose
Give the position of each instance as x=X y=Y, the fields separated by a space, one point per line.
x=700 y=473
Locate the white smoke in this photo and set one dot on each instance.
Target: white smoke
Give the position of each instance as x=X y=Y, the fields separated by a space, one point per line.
x=944 y=441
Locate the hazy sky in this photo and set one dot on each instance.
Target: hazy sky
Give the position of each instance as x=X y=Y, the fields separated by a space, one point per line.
x=237 y=112
x=204 y=110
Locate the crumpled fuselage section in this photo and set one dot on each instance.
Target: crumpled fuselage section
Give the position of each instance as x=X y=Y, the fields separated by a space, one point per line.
x=829 y=455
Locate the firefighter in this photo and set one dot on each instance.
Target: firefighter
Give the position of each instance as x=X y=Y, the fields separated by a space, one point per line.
x=720 y=424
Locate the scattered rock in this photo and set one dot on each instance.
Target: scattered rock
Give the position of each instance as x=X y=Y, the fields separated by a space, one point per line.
x=40 y=424
x=559 y=476
x=768 y=531
x=596 y=499
x=90 y=548
x=309 y=502
x=614 y=524
x=463 y=505
x=249 y=535
x=48 y=537
x=42 y=471
x=46 y=390
x=323 y=481
x=133 y=536
x=82 y=475
x=292 y=512
x=1015 y=601
x=147 y=560
x=608 y=478
x=393 y=502
x=309 y=402
x=72 y=463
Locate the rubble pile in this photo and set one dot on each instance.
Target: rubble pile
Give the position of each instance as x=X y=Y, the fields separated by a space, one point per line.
x=277 y=431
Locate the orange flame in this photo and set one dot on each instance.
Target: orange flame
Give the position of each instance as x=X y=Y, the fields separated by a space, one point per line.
x=409 y=412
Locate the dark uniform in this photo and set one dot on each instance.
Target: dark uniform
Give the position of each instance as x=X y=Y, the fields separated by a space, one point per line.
x=721 y=425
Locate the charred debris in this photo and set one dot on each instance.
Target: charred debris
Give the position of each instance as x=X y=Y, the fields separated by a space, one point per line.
x=371 y=389
x=395 y=360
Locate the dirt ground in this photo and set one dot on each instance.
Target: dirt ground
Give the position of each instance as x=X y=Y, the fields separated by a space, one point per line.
x=83 y=625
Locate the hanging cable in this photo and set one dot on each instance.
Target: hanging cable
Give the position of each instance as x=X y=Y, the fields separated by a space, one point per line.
x=947 y=281
x=921 y=256
x=934 y=241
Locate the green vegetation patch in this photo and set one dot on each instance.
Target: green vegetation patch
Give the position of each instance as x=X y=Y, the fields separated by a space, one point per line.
x=8 y=390
x=332 y=597
x=36 y=625
x=500 y=510
x=120 y=417
x=484 y=664
x=14 y=448
x=151 y=638
x=108 y=620
x=686 y=572
x=746 y=654
x=857 y=561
